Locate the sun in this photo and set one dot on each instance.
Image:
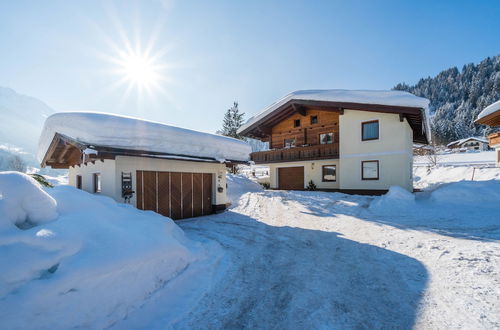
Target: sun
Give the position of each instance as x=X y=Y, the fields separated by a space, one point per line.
x=139 y=69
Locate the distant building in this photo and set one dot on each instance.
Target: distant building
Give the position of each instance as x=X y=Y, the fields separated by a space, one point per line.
x=491 y=116
x=470 y=143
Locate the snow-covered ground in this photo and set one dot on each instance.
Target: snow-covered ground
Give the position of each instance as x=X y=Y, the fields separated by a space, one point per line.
x=70 y=259
x=276 y=259
x=471 y=158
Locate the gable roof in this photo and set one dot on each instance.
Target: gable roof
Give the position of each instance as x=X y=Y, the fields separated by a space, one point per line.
x=414 y=108
x=461 y=141
x=490 y=115
x=68 y=134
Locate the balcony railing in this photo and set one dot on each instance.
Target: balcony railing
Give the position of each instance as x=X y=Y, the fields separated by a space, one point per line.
x=321 y=151
x=494 y=138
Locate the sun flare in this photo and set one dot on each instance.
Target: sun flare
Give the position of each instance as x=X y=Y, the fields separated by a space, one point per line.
x=139 y=69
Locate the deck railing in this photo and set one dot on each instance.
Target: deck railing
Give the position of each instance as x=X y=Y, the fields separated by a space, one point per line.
x=321 y=151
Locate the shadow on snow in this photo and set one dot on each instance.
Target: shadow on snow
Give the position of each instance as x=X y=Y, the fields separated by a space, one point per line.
x=284 y=277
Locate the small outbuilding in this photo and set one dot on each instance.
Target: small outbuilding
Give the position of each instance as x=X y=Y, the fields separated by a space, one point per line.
x=177 y=172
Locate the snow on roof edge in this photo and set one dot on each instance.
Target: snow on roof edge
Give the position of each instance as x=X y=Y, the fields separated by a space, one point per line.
x=492 y=108
x=382 y=97
x=111 y=130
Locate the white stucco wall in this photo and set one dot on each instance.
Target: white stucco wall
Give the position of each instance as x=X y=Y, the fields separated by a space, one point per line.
x=107 y=171
x=133 y=164
x=312 y=171
x=111 y=171
x=393 y=150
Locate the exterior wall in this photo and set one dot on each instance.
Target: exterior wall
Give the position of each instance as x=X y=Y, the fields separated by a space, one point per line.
x=393 y=150
x=111 y=171
x=107 y=171
x=473 y=145
x=132 y=164
x=312 y=171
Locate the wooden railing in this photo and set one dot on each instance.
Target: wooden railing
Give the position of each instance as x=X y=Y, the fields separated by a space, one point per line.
x=321 y=151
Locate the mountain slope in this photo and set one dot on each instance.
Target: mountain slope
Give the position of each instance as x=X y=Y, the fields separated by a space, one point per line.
x=21 y=119
x=457 y=97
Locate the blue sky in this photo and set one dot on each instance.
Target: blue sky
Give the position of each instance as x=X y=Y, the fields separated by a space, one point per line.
x=212 y=53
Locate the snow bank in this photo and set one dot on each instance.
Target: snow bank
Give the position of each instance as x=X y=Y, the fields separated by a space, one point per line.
x=462 y=158
x=239 y=185
x=396 y=200
x=23 y=202
x=427 y=178
x=97 y=262
x=395 y=98
x=465 y=204
x=468 y=192
x=110 y=130
x=489 y=110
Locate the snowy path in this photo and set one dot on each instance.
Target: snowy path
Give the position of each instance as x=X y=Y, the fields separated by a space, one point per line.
x=321 y=260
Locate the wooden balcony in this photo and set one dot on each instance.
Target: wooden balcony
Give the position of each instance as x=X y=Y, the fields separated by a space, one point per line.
x=321 y=151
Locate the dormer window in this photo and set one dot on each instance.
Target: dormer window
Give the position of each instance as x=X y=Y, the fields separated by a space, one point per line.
x=296 y=123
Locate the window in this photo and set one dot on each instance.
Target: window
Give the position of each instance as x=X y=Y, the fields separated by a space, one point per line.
x=79 y=182
x=97 y=182
x=329 y=173
x=369 y=170
x=326 y=138
x=289 y=143
x=314 y=120
x=296 y=123
x=369 y=130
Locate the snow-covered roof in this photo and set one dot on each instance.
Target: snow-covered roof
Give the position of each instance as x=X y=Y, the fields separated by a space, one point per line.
x=114 y=131
x=461 y=141
x=379 y=97
x=489 y=110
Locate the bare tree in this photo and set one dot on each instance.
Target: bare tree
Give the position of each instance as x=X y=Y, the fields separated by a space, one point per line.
x=16 y=163
x=431 y=155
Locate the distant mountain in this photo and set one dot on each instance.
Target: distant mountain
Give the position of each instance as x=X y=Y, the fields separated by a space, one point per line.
x=21 y=122
x=457 y=97
x=21 y=119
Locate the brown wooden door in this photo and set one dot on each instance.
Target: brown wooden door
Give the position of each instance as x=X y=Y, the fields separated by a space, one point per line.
x=291 y=178
x=173 y=194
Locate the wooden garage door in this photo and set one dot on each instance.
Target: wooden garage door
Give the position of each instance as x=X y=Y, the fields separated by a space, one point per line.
x=174 y=194
x=291 y=178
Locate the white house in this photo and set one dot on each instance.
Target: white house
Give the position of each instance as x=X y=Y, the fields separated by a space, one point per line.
x=491 y=116
x=177 y=172
x=470 y=143
x=341 y=140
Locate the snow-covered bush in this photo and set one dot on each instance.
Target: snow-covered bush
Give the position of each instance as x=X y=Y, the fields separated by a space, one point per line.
x=23 y=202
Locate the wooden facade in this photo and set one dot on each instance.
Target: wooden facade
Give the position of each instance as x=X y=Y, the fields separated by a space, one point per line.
x=494 y=139
x=305 y=129
x=307 y=133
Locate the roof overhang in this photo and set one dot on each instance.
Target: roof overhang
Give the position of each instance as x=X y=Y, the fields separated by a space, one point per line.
x=416 y=117
x=493 y=119
x=65 y=152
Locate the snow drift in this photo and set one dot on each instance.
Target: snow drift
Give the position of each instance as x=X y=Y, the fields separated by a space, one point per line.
x=23 y=202
x=96 y=257
x=108 y=130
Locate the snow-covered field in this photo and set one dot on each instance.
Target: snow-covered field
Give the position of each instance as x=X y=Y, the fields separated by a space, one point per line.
x=471 y=158
x=276 y=259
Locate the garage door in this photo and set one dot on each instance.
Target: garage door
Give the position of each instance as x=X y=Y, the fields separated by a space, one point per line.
x=174 y=194
x=291 y=178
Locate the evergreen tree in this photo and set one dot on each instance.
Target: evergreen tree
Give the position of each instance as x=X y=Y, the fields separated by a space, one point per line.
x=233 y=120
x=457 y=97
